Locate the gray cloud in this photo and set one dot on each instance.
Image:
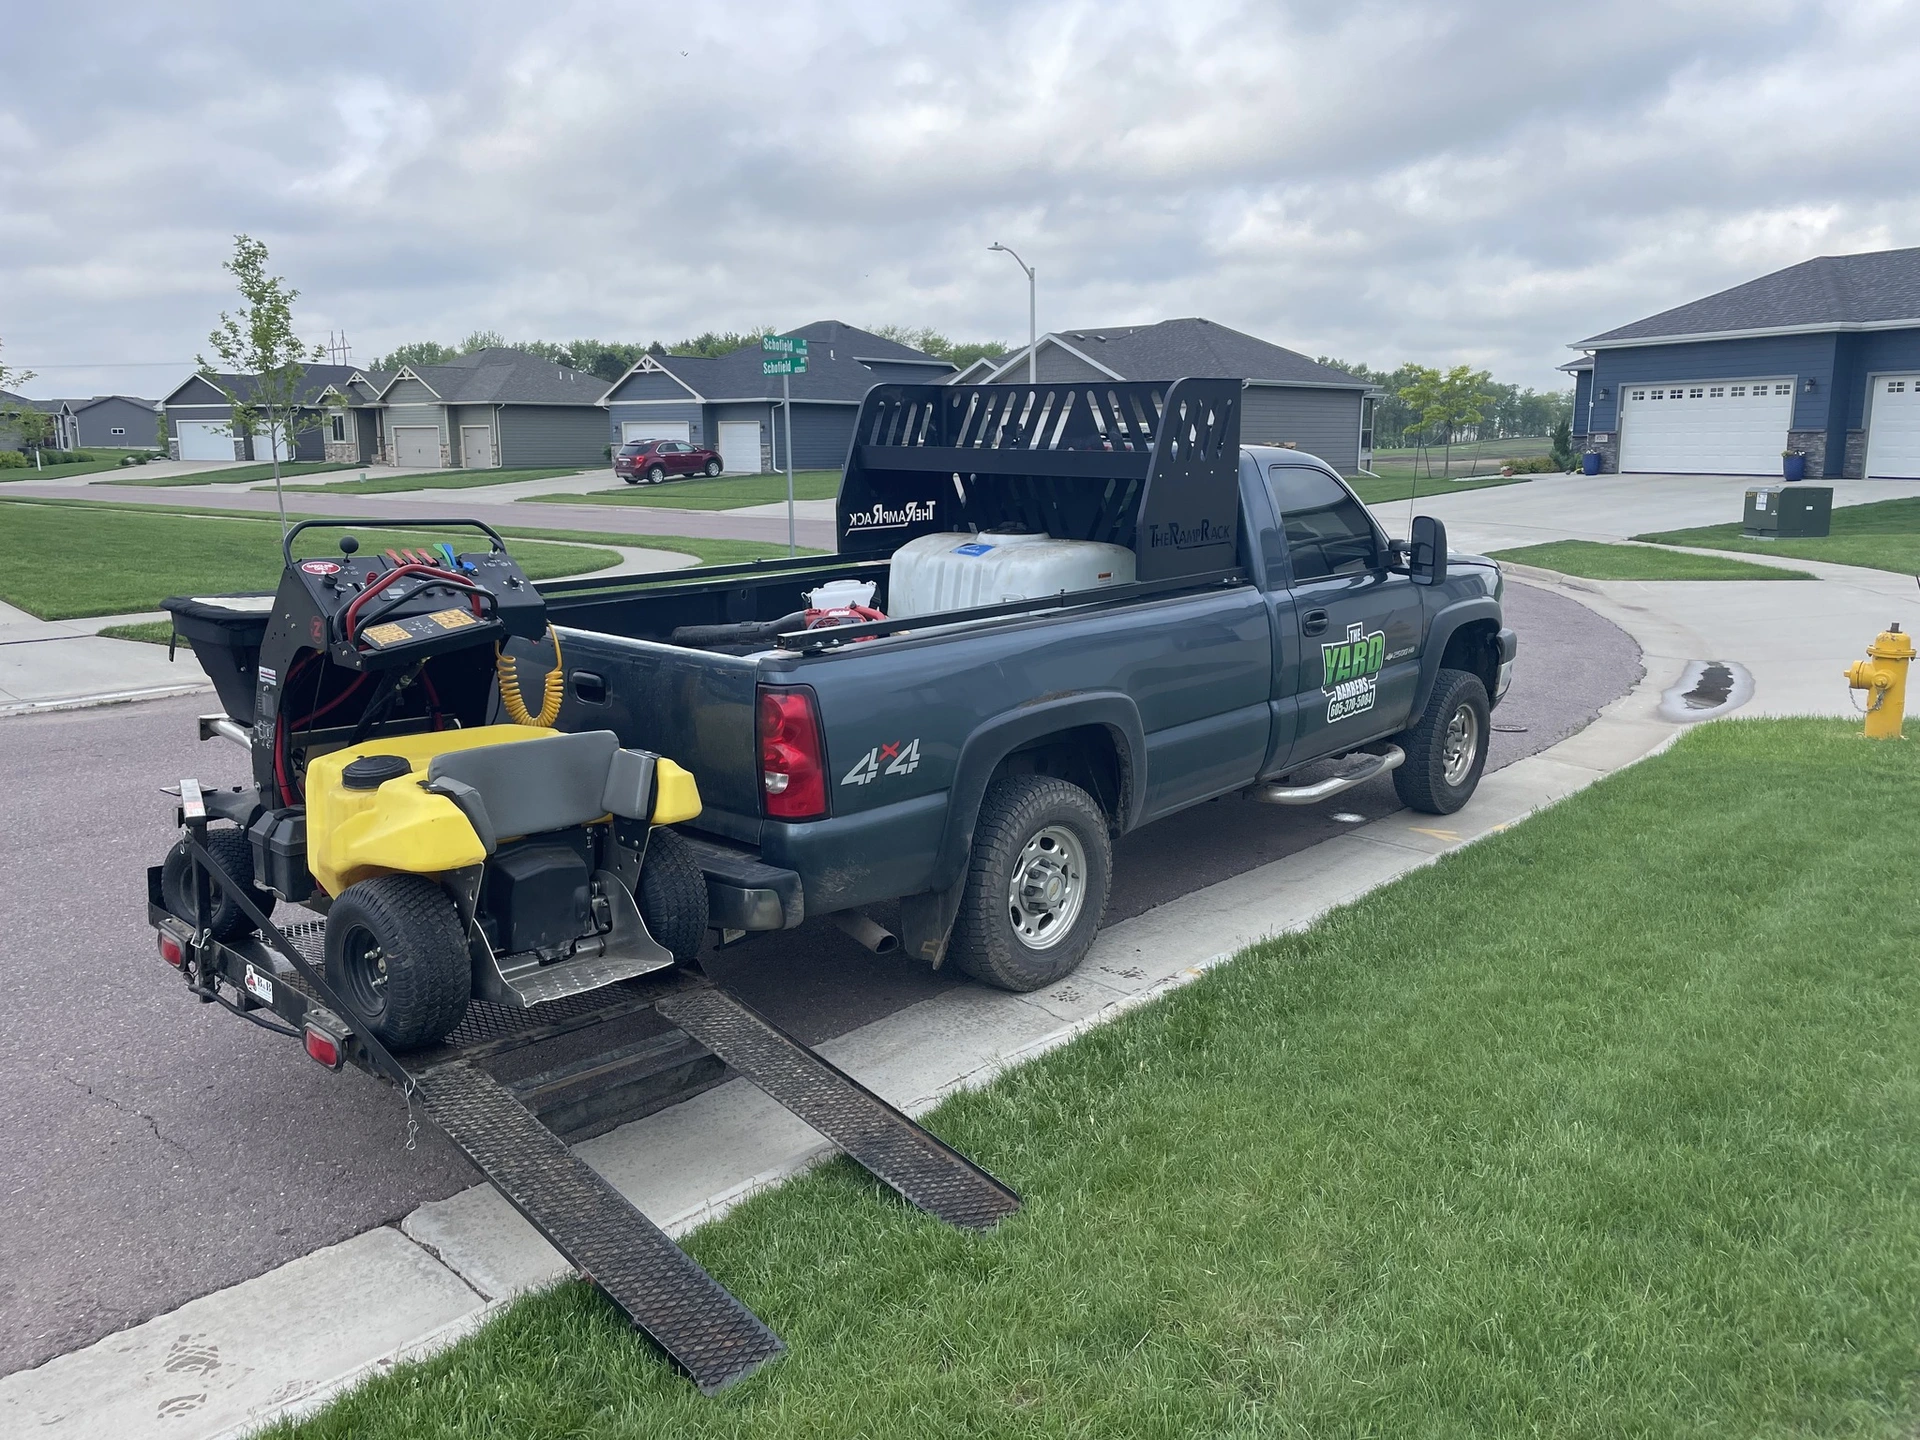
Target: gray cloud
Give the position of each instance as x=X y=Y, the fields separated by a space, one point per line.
x=1383 y=181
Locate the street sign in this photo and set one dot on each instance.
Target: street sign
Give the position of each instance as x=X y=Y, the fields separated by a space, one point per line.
x=785 y=365
x=783 y=345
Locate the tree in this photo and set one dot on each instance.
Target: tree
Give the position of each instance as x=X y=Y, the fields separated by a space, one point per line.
x=482 y=340
x=257 y=341
x=29 y=425
x=1562 y=452
x=960 y=353
x=1447 y=402
x=420 y=352
x=722 y=342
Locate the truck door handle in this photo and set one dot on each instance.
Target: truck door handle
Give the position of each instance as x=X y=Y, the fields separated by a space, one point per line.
x=1314 y=622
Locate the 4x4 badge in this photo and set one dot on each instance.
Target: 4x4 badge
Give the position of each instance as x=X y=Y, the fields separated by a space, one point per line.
x=1350 y=670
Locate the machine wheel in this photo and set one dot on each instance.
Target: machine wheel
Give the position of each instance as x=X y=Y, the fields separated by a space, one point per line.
x=233 y=854
x=673 y=895
x=398 y=960
x=656 y=474
x=1447 y=746
x=713 y=468
x=1036 y=884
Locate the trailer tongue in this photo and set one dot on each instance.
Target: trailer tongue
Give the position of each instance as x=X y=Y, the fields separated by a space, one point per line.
x=503 y=924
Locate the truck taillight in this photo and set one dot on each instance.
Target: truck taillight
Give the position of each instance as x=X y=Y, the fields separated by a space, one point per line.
x=793 y=770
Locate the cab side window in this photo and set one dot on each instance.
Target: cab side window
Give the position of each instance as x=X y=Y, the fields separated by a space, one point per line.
x=1328 y=531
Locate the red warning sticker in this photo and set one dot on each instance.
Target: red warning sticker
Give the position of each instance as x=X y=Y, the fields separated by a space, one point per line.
x=320 y=567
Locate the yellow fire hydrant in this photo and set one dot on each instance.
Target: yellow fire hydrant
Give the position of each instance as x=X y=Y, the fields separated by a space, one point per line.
x=1883 y=675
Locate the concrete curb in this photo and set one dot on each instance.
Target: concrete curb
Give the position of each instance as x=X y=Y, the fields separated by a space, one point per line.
x=470 y=1254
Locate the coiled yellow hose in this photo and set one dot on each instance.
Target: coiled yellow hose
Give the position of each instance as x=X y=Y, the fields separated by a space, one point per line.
x=514 y=703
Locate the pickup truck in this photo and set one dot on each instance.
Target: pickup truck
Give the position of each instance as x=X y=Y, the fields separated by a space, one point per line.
x=976 y=765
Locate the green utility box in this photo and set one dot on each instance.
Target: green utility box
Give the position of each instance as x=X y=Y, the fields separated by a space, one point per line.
x=1779 y=511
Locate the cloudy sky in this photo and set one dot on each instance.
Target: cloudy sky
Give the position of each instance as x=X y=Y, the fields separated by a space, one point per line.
x=1381 y=181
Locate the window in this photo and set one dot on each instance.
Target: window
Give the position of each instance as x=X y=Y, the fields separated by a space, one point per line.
x=1718 y=392
x=118 y=430
x=1894 y=387
x=1738 y=391
x=339 y=429
x=1783 y=389
x=1366 y=424
x=1328 y=531
x=1639 y=394
x=1695 y=393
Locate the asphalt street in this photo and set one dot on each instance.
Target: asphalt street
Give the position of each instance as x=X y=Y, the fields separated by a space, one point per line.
x=153 y=1149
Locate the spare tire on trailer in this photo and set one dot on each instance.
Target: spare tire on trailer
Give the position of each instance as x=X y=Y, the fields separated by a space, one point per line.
x=233 y=854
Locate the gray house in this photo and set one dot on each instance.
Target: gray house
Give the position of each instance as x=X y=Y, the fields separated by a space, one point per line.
x=199 y=417
x=726 y=404
x=1290 y=400
x=497 y=407
x=125 y=421
x=1822 y=357
x=353 y=433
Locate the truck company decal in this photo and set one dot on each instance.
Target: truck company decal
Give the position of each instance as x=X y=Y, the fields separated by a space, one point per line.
x=1188 y=537
x=879 y=517
x=1351 y=670
x=896 y=757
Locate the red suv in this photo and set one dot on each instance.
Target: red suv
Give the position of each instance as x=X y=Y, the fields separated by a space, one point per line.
x=654 y=460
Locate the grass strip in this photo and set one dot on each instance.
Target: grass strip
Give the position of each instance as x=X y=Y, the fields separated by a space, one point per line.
x=1884 y=535
x=151 y=632
x=1596 y=561
x=1600 y=1127
x=728 y=492
x=122 y=560
x=234 y=475
x=1401 y=487
x=437 y=480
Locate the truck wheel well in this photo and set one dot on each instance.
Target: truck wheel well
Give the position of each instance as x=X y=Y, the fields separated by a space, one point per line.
x=1475 y=648
x=1089 y=756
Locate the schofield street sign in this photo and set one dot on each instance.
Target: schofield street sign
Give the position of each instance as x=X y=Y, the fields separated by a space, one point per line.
x=784 y=355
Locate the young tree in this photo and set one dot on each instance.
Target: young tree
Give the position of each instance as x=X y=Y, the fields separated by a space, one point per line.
x=257 y=341
x=1447 y=403
x=30 y=426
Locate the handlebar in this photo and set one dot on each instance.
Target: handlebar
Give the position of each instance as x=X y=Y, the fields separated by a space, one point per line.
x=286 y=543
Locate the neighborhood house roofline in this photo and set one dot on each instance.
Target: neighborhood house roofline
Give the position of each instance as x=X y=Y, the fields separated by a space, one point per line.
x=405 y=372
x=648 y=365
x=735 y=400
x=1818 y=327
x=1007 y=362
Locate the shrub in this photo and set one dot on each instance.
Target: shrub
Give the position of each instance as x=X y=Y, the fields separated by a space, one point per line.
x=12 y=460
x=1562 y=452
x=1535 y=465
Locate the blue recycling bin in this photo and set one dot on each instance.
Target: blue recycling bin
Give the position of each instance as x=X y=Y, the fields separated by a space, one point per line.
x=1793 y=467
x=1590 y=463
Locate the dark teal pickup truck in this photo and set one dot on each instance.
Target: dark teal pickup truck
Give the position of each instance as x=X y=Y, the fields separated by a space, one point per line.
x=974 y=758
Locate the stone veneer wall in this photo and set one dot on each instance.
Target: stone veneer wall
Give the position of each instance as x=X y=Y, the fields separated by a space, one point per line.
x=1814 y=442
x=1607 y=442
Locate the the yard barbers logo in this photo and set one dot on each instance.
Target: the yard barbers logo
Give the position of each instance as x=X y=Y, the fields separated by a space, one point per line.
x=1351 y=671
x=880 y=517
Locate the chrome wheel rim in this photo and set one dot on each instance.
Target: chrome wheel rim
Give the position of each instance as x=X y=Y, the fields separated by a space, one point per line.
x=1048 y=888
x=1461 y=745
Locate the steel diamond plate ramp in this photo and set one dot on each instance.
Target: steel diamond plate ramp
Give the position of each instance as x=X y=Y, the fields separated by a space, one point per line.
x=927 y=1172
x=709 y=1334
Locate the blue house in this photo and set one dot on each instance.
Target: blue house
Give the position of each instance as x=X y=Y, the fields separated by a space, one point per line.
x=725 y=403
x=1822 y=357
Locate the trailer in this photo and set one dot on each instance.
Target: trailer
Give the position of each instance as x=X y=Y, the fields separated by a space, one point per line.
x=478 y=899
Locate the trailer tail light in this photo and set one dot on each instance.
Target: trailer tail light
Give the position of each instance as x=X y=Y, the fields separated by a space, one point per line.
x=172 y=951
x=323 y=1047
x=793 y=769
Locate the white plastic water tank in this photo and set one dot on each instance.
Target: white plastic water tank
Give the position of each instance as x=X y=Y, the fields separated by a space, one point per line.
x=958 y=571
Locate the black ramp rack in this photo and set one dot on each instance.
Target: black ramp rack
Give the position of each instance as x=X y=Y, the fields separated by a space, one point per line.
x=714 y=1338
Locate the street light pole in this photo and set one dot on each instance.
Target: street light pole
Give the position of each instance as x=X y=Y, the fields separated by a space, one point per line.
x=1033 y=337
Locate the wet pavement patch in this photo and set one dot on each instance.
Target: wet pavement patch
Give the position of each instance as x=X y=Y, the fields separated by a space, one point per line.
x=1706 y=689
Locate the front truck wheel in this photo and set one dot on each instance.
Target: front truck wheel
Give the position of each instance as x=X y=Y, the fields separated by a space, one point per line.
x=397 y=958
x=673 y=895
x=1447 y=746
x=1036 y=884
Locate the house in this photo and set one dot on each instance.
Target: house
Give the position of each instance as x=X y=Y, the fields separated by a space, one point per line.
x=726 y=403
x=108 y=421
x=1822 y=357
x=1289 y=399
x=10 y=429
x=496 y=407
x=199 y=417
x=352 y=433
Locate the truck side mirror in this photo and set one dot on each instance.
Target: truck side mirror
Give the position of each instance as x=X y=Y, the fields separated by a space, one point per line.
x=1427 y=560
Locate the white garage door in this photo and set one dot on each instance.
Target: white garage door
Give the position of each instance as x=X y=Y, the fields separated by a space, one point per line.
x=631 y=430
x=204 y=440
x=740 y=446
x=476 y=447
x=1706 y=427
x=1893 y=428
x=416 y=445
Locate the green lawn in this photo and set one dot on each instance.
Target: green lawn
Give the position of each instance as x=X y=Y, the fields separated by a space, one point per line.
x=1388 y=488
x=152 y=632
x=1601 y=1127
x=232 y=475
x=1473 y=459
x=379 y=484
x=728 y=492
x=108 y=460
x=112 y=561
x=1639 y=562
x=1882 y=536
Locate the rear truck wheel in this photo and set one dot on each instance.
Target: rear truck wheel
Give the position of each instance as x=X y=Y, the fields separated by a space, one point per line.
x=656 y=475
x=713 y=468
x=1447 y=746
x=398 y=960
x=233 y=854
x=1036 y=883
x=672 y=895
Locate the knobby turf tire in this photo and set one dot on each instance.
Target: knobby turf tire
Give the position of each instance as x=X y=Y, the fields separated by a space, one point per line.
x=1421 y=782
x=429 y=973
x=673 y=895
x=234 y=854
x=984 y=943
